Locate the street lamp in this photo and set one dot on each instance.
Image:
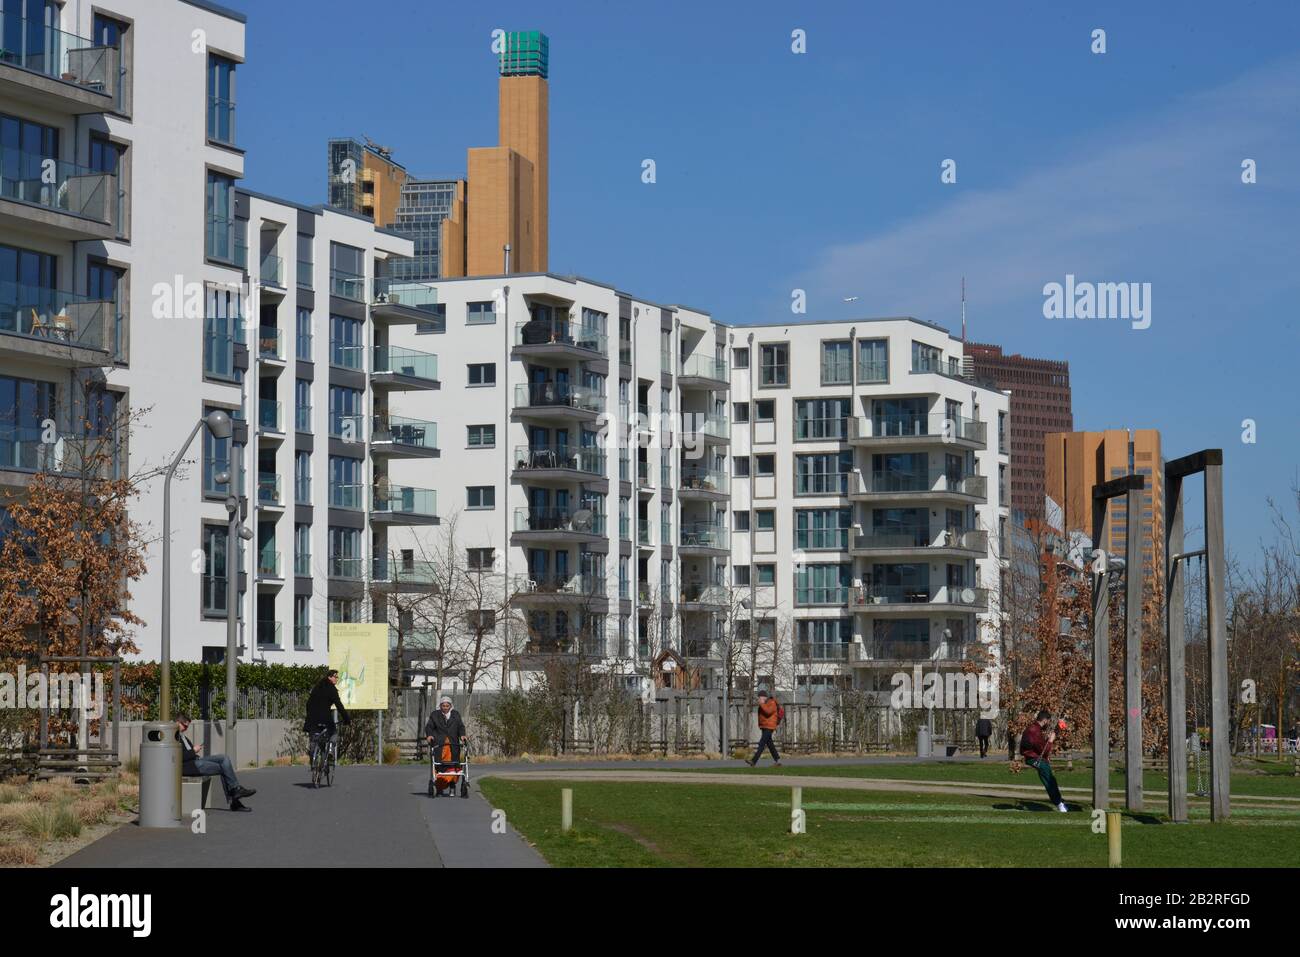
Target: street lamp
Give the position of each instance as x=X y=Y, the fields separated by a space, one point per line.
x=160 y=765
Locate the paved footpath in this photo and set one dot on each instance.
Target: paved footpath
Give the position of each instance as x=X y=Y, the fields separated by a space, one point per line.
x=371 y=817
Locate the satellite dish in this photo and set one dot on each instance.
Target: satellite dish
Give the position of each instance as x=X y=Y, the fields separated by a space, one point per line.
x=582 y=519
x=968 y=596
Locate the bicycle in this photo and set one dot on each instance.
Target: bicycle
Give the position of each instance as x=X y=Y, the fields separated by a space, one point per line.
x=324 y=758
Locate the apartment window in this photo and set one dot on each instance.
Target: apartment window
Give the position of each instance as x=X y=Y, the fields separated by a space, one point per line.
x=223 y=240
x=480 y=559
x=740 y=358
x=302 y=477
x=221 y=99
x=342 y=610
x=302 y=550
x=215 y=575
x=480 y=313
x=740 y=520
x=765 y=519
x=482 y=373
x=765 y=410
x=766 y=574
x=216 y=458
x=822 y=584
x=822 y=474
x=345 y=413
x=873 y=360
x=302 y=405
x=346 y=349
x=103 y=284
x=740 y=412
x=837 y=358
x=345 y=554
x=301 y=623
x=345 y=482
x=926 y=358
x=740 y=576
x=822 y=529
x=303 y=349
x=765 y=465
x=740 y=467
x=305 y=260
x=481 y=496
x=774 y=365
x=821 y=418
x=482 y=436
x=27 y=403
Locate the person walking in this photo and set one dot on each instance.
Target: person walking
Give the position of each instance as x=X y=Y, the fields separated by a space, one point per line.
x=445 y=726
x=770 y=714
x=983 y=731
x=194 y=765
x=1036 y=745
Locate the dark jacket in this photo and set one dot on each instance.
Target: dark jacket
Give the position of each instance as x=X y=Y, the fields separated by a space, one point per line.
x=189 y=757
x=440 y=728
x=1034 y=743
x=324 y=696
x=983 y=728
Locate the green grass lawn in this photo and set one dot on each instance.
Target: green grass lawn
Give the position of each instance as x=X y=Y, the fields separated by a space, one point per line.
x=1263 y=779
x=688 y=825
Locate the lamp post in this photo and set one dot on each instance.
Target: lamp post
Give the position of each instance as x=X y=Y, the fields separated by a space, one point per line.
x=160 y=765
x=235 y=531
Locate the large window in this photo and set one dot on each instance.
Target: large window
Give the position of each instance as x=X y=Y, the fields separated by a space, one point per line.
x=821 y=418
x=346 y=483
x=215 y=578
x=303 y=350
x=345 y=556
x=224 y=241
x=822 y=584
x=25 y=404
x=346 y=349
x=221 y=99
x=837 y=363
x=822 y=529
x=222 y=328
x=926 y=358
x=346 y=413
x=103 y=284
x=820 y=474
x=774 y=366
x=873 y=360
x=216 y=459
x=823 y=639
x=900 y=472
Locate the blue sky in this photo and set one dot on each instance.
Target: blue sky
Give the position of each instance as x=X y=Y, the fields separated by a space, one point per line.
x=821 y=171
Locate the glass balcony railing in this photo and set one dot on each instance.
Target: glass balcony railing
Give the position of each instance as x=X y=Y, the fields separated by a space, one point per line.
x=404 y=501
x=268 y=634
x=546 y=583
x=703 y=480
x=699 y=423
x=268 y=563
x=55 y=316
x=347 y=285
x=409 y=570
x=268 y=488
x=347 y=355
x=408 y=433
x=703 y=593
x=344 y=566
x=975 y=486
x=821 y=594
x=550 y=518
x=574 y=458
x=405 y=292
x=644 y=536
x=822 y=539
x=347 y=496
x=270 y=344
x=271 y=271
x=55 y=184
x=540 y=332
x=35 y=46
x=557 y=395
x=822 y=650
x=643 y=474
x=407 y=362
x=944 y=428
x=705 y=367
x=269 y=418
x=832 y=429
x=703 y=535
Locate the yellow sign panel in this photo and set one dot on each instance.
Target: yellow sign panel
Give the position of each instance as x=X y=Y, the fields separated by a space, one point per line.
x=360 y=654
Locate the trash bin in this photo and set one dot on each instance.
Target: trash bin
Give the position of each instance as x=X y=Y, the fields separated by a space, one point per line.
x=923 y=749
x=160 y=776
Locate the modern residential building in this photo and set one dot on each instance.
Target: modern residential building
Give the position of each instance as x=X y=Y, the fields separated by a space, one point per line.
x=1078 y=461
x=364 y=178
x=1040 y=403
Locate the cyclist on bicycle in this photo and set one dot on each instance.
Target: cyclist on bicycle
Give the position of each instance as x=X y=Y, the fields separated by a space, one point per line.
x=322 y=699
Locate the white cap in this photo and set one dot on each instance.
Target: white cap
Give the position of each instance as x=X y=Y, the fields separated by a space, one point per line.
x=442 y=699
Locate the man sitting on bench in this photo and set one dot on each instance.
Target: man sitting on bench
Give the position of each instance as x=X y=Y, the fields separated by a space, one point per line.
x=194 y=765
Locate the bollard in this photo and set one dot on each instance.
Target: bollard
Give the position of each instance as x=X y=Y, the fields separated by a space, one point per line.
x=566 y=810
x=1113 y=839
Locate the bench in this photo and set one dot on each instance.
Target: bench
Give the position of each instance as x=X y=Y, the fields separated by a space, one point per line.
x=199 y=792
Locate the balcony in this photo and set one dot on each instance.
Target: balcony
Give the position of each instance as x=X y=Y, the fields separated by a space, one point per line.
x=644 y=533
x=268 y=634
x=345 y=567
x=268 y=490
x=404 y=575
x=556 y=401
x=350 y=497
x=560 y=463
x=811 y=596
x=61 y=200
x=398 y=437
x=270 y=344
x=831 y=651
x=549 y=590
x=907 y=541
x=558 y=339
x=271 y=273
x=703 y=539
x=698 y=596
x=347 y=285
x=403 y=505
x=903 y=600
x=710 y=429
x=403 y=370
x=835 y=429
x=56 y=70
x=883 y=653
x=913 y=431
x=703 y=372
x=557 y=524
x=268 y=565
x=884 y=488
x=270 y=418
x=643 y=478
x=822 y=539
x=401 y=301
x=54 y=327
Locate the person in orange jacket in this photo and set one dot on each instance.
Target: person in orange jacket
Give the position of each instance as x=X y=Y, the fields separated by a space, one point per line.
x=770 y=714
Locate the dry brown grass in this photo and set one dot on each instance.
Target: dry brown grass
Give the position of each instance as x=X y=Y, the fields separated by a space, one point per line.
x=19 y=853
x=96 y=808
x=9 y=793
x=12 y=813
